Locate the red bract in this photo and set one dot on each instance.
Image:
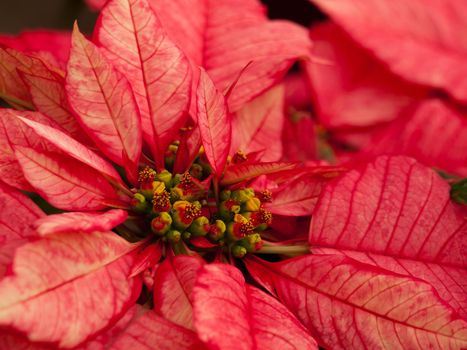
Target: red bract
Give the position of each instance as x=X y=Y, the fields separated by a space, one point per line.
x=353 y=89
x=226 y=36
x=49 y=45
x=382 y=78
x=424 y=44
x=414 y=132
x=157 y=70
x=388 y=267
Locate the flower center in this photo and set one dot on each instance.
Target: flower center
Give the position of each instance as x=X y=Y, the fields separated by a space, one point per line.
x=182 y=209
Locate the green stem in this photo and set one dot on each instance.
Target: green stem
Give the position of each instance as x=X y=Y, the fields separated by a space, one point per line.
x=291 y=250
x=216 y=189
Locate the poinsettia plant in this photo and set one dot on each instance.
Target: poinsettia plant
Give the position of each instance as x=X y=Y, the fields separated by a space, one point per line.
x=149 y=201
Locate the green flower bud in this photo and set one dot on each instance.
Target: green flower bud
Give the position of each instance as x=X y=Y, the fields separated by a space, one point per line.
x=174 y=236
x=165 y=177
x=176 y=179
x=170 y=156
x=139 y=204
x=158 y=187
x=161 y=223
x=252 y=242
x=253 y=204
x=242 y=196
x=239 y=251
x=186 y=236
x=196 y=171
x=217 y=230
x=228 y=208
x=176 y=194
x=250 y=191
x=225 y=195
x=200 y=226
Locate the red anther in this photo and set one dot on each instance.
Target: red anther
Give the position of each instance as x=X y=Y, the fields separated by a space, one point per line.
x=265 y=216
x=192 y=211
x=147 y=175
x=239 y=157
x=161 y=201
x=264 y=196
x=186 y=181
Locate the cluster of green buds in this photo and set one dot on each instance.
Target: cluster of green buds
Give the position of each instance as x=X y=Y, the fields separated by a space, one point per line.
x=183 y=207
x=243 y=213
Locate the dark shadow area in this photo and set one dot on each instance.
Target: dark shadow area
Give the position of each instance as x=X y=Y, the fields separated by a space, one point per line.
x=18 y=15
x=300 y=11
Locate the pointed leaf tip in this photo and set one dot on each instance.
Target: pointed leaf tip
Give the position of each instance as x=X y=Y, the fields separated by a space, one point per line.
x=213 y=122
x=159 y=73
x=221 y=297
x=104 y=103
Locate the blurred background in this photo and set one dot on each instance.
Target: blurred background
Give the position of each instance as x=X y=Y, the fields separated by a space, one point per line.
x=17 y=15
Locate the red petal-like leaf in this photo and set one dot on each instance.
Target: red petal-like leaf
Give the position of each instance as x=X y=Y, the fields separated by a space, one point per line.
x=157 y=70
x=289 y=228
x=425 y=44
x=400 y=212
x=147 y=258
x=151 y=331
x=188 y=149
x=73 y=148
x=297 y=198
x=12 y=88
x=13 y=132
x=414 y=135
x=246 y=171
x=47 y=89
x=300 y=138
x=225 y=36
x=227 y=310
x=55 y=279
x=173 y=287
x=82 y=222
x=258 y=124
x=326 y=172
x=53 y=46
x=104 y=102
x=104 y=340
x=392 y=206
x=354 y=89
x=350 y=305
x=202 y=242
x=214 y=123
x=17 y=215
x=65 y=183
